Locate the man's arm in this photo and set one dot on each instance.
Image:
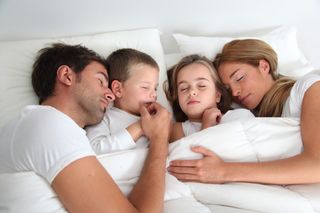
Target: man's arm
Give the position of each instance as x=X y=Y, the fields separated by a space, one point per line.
x=156 y=128
x=85 y=186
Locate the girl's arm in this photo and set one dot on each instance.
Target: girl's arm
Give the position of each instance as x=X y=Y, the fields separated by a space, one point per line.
x=176 y=132
x=300 y=169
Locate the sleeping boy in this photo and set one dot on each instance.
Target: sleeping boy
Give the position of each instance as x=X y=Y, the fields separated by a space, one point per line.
x=133 y=78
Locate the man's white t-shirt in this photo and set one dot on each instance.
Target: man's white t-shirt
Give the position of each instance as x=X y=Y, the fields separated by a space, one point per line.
x=43 y=140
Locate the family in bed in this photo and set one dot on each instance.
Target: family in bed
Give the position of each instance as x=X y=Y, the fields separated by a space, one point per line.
x=76 y=88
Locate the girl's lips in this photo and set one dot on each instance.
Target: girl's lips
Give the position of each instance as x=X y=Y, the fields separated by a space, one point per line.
x=193 y=102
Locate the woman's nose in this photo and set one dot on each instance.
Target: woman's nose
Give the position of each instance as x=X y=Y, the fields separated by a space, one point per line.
x=235 y=91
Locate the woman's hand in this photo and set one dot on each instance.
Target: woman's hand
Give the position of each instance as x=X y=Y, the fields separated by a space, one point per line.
x=209 y=169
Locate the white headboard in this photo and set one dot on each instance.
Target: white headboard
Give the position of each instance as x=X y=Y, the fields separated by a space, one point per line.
x=46 y=18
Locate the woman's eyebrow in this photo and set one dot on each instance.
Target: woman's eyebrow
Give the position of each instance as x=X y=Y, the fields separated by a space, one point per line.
x=234 y=72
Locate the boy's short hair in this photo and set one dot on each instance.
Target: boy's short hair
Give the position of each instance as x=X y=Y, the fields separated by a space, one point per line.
x=120 y=62
x=49 y=60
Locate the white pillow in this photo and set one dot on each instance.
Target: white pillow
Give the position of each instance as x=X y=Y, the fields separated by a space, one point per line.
x=291 y=61
x=17 y=57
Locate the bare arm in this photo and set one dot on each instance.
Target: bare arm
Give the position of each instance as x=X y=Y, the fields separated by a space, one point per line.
x=303 y=168
x=176 y=132
x=135 y=130
x=149 y=190
x=85 y=186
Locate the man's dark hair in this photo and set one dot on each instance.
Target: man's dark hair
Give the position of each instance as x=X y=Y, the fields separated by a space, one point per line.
x=49 y=59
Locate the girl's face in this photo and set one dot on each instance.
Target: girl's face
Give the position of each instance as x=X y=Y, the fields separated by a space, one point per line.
x=247 y=84
x=139 y=88
x=196 y=91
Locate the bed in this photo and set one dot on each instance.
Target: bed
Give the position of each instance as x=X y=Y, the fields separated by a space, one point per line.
x=167 y=36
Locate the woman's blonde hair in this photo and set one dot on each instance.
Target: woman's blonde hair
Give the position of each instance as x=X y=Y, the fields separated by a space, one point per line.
x=170 y=86
x=252 y=51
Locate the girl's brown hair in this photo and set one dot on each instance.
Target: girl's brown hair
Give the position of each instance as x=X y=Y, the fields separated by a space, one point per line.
x=171 y=88
x=251 y=51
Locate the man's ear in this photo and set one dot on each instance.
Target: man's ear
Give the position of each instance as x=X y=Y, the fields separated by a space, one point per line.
x=116 y=87
x=65 y=75
x=264 y=66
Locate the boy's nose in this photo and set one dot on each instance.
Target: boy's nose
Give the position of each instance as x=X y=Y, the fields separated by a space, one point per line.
x=154 y=95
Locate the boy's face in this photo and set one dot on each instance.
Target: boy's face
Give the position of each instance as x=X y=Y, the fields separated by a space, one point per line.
x=139 y=88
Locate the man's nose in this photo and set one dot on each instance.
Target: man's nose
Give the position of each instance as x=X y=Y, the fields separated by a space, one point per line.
x=109 y=95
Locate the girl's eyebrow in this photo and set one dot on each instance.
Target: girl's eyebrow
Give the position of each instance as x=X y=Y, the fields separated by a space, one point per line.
x=197 y=79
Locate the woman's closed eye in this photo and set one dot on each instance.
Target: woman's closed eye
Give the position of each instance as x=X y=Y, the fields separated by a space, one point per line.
x=240 y=78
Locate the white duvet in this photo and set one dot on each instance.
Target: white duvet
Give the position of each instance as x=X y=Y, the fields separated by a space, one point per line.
x=257 y=139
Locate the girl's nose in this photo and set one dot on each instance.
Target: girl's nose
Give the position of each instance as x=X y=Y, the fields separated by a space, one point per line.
x=193 y=92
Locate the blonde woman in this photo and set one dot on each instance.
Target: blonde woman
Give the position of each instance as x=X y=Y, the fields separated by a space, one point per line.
x=248 y=69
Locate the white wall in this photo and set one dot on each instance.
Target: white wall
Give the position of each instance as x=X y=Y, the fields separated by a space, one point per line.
x=51 y=18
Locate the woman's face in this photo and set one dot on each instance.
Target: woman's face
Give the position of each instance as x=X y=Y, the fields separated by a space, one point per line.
x=246 y=83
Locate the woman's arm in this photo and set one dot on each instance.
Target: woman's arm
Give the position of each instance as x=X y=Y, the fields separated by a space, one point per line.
x=303 y=168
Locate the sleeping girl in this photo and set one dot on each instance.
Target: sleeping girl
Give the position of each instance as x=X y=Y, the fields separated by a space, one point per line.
x=198 y=98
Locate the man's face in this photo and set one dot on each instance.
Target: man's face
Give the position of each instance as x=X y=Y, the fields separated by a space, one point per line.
x=92 y=92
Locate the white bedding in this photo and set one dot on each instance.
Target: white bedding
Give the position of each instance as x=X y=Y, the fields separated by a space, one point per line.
x=233 y=141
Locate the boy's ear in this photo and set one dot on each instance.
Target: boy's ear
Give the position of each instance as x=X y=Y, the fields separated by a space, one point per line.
x=218 y=96
x=65 y=75
x=116 y=87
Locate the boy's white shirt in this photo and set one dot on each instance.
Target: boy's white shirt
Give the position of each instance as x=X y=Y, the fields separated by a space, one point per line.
x=111 y=135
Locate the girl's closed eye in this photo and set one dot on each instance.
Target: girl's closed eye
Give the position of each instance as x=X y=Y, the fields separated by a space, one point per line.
x=183 y=89
x=202 y=86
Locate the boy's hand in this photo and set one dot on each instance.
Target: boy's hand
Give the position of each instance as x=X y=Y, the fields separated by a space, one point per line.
x=211 y=117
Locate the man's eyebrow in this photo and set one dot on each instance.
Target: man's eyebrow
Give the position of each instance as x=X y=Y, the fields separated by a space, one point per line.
x=104 y=74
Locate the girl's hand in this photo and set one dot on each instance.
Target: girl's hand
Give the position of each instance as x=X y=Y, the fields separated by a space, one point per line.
x=209 y=169
x=211 y=117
